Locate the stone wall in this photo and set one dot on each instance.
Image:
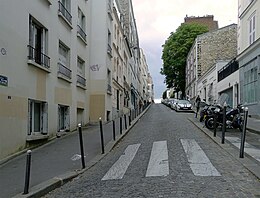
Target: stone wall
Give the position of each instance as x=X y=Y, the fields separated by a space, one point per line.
x=220 y=44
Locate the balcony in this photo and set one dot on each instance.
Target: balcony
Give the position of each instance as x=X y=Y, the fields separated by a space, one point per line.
x=64 y=72
x=81 y=82
x=37 y=58
x=82 y=33
x=109 y=89
x=65 y=13
x=109 y=50
x=227 y=70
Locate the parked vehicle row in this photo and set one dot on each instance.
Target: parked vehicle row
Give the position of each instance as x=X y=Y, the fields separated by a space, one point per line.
x=178 y=105
x=234 y=116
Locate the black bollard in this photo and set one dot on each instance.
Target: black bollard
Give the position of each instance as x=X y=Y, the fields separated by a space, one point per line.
x=101 y=136
x=27 y=172
x=224 y=124
x=125 y=122
x=215 y=125
x=243 y=134
x=121 y=125
x=81 y=147
x=114 y=131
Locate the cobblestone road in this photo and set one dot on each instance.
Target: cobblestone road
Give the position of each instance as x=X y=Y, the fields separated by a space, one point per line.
x=162 y=124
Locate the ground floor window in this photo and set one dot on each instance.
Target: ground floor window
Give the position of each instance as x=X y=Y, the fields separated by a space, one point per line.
x=250 y=85
x=64 y=118
x=38 y=117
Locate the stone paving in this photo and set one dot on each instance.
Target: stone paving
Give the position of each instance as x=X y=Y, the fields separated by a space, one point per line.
x=159 y=124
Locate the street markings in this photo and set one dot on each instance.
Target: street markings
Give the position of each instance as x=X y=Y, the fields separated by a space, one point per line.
x=158 y=163
x=249 y=149
x=199 y=162
x=119 y=168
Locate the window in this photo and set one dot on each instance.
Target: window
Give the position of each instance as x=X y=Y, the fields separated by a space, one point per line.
x=252 y=28
x=81 y=24
x=64 y=10
x=64 y=61
x=81 y=72
x=250 y=85
x=64 y=118
x=38 y=117
x=38 y=43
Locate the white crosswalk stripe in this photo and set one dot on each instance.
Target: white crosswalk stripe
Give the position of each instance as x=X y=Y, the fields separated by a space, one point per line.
x=199 y=162
x=158 y=164
x=119 y=168
x=249 y=149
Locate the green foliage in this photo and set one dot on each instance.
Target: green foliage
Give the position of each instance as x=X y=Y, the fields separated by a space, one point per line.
x=175 y=52
x=164 y=94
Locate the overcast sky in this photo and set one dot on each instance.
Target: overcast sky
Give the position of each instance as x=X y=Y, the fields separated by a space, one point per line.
x=156 y=19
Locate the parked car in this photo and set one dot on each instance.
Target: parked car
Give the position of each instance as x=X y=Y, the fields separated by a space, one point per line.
x=183 y=105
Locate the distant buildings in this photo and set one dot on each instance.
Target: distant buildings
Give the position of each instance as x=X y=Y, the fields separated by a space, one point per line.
x=207 y=20
x=64 y=63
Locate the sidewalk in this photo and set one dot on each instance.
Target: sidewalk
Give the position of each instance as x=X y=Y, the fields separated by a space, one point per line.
x=252 y=163
x=59 y=161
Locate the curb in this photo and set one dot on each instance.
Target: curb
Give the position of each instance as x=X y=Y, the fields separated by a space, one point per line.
x=249 y=163
x=56 y=182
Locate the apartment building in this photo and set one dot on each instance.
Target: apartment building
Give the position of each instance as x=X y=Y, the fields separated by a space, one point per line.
x=249 y=54
x=207 y=20
x=207 y=49
x=44 y=79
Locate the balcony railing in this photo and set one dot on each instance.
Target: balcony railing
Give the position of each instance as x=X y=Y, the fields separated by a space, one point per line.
x=62 y=69
x=65 y=12
x=109 y=49
x=38 y=57
x=227 y=70
x=82 y=32
x=109 y=88
x=81 y=80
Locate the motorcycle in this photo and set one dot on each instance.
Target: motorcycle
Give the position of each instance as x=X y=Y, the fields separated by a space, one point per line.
x=234 y=118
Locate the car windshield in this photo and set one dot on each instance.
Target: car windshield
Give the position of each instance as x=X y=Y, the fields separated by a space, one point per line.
x=183 y=102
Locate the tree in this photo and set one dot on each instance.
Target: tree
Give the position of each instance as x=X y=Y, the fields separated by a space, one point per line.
x=164 y=94
x=175 y=51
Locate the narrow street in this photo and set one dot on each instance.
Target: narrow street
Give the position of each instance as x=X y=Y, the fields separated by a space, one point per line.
x=164 y=155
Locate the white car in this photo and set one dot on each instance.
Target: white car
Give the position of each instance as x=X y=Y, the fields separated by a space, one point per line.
x=183 y=105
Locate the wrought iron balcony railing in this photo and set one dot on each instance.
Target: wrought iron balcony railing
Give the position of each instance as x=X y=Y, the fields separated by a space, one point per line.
x=38 y=57
x=65 y=12
x=227 y=70
x=82 y=32
x=109 y=88
x=81 y=80
x=62 y=69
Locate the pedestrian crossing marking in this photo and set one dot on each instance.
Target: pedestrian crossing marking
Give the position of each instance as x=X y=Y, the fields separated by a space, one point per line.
x=158 y=163
x=249 y=149
x=119 y=168
x=199 y=162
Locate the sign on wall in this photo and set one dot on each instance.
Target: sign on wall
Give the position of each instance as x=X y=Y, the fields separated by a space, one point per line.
x=3 y=80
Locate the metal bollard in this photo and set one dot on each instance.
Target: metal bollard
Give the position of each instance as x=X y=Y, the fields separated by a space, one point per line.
x=27 y=172
x=114 y=130
x=243 y=134
x=101 y=136
x=81 y=146
x=224 y=124
x=215 y=125
x=121 y=125
x=125 y=122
